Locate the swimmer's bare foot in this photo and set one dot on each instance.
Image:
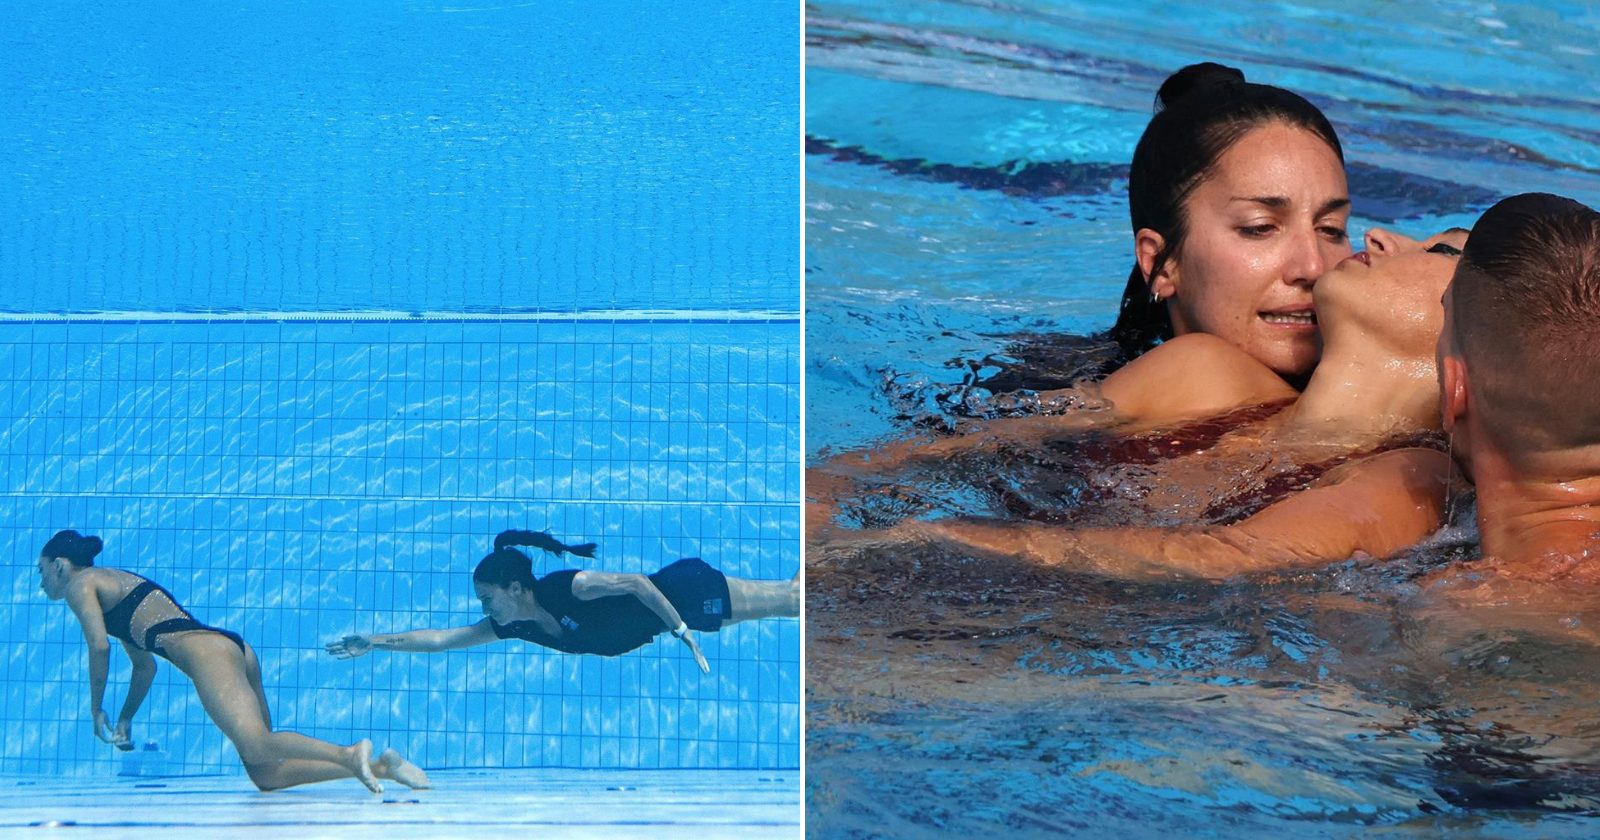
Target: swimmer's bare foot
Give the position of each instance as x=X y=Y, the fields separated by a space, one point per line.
x=360 y=763
x=391 y=765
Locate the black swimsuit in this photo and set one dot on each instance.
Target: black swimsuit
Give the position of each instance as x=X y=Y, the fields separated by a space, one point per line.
x=616 y=624
x=148 y=612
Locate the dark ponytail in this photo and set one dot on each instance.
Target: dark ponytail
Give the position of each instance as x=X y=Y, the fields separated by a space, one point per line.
x=506 y=565
x=1200 y=112
x=542 y=540
x=77 y=548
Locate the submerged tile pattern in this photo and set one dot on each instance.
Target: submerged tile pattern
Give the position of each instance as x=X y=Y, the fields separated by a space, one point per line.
x=296 y=482
x=463 y=803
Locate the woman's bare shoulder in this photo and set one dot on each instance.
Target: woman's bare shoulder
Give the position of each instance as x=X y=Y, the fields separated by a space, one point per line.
x=1193 y=375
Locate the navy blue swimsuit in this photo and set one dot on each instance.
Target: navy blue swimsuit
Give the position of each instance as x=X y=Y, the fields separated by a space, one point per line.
x=148 y=612
x=616 y=624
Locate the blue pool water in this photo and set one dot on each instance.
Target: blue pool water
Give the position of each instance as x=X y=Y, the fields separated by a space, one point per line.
x=300 y=305
x=966 y=170
x=412 y=156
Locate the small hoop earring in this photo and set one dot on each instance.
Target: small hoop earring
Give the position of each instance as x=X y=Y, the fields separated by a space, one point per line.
x=1155 y=296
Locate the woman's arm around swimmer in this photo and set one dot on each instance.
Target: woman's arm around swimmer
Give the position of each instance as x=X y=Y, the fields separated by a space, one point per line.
x=587 y=586
x=415 y=641
x=1186 y=378
x=1376 y=507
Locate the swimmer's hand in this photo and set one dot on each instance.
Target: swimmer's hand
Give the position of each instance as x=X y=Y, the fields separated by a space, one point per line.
x=694 y=647
x=350 y=647
x=102 y=730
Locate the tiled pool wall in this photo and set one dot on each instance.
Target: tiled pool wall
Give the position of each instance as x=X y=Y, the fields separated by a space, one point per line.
x=299 y=481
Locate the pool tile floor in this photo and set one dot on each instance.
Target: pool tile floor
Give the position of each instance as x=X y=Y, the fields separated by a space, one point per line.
x=463 y=803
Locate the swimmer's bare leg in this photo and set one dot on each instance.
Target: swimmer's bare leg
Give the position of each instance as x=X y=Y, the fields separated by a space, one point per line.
x=392 y=765
x=273 y=759
x=389 y=765
x=288 y=772
x=252 y=670
x=749 y=600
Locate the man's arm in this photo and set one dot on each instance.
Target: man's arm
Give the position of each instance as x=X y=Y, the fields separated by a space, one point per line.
x=1376 y=506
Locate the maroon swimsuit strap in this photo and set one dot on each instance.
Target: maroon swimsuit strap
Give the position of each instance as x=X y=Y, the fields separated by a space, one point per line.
x=1244 y=503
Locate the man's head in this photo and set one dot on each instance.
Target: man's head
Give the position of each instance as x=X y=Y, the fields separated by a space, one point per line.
x=1520 y=349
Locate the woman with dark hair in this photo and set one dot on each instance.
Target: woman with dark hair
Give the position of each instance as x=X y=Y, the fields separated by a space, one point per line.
x=1369 y=417
x=112 y=603
x=601 y=613
x=1238 y=202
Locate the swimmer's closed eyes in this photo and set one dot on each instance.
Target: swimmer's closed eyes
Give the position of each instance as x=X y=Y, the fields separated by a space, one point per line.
x=1444 y=248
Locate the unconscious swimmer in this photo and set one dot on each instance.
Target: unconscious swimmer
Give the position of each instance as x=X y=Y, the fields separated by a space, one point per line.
x=604 y=613
x=112 y=603
x=1380 y=315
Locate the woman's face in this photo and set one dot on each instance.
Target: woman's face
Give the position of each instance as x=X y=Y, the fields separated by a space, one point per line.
x=498 y=601
x=1388 y=297
x=1267 y=221
x=52 y=577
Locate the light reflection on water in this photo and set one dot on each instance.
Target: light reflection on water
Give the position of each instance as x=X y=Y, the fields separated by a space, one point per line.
x=1342 y=696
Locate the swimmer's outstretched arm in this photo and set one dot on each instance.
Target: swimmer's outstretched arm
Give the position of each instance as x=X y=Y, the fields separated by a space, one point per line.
x=587 y=586
x=415 y=641
x=1381 y=505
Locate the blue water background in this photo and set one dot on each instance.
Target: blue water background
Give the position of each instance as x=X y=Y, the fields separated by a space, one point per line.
x=460 y=156
x=295 y=483
x=541 y=261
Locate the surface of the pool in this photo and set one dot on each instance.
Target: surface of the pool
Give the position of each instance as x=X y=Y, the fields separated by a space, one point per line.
x=966 y=171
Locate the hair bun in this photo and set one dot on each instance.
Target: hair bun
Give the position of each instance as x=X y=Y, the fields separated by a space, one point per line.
x=81 y=550
x=1207 y=75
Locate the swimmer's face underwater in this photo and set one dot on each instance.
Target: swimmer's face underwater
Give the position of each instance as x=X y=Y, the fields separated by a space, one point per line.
x=500 y=603
x=53 y=577
x=1390 y=293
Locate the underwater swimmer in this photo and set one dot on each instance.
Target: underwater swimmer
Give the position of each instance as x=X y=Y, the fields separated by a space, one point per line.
x=592 y=612
x=112 y=603
x=1380 y=315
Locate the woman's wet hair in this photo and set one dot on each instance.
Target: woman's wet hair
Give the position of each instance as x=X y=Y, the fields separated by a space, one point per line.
x=1201 y=111
x=543 y=541
x=503 y=567
x=77 y=548
x=506 y=564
